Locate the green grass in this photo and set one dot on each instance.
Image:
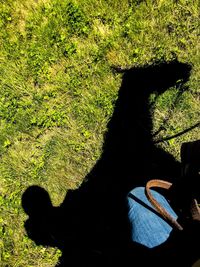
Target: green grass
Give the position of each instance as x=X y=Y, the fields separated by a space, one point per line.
x=58 y=90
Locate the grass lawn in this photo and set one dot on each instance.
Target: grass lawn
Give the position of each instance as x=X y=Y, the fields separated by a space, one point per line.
x=58 y=92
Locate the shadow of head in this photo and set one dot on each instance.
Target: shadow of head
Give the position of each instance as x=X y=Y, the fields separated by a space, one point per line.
x=157 y=77
x=137 y=85
x=36 y=201
x=37 y=205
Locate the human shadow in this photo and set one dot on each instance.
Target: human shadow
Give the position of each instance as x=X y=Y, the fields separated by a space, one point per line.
x=91 y=226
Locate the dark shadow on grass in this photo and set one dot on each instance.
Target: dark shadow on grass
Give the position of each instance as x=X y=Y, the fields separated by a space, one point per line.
x=91 y=226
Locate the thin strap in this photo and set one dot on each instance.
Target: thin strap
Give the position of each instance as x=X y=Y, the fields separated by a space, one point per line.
x=195 y=210
x=158 y=207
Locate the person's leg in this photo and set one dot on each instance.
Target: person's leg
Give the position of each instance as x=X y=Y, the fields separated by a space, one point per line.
x=148 y=227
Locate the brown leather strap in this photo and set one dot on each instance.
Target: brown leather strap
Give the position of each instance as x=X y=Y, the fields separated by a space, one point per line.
x=158 y=207
x=195 y=210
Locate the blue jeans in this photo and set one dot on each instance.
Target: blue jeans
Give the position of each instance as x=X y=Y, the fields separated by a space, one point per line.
x=147 y=226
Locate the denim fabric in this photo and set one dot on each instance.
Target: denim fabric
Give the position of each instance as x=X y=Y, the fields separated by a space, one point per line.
x=148 y=227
